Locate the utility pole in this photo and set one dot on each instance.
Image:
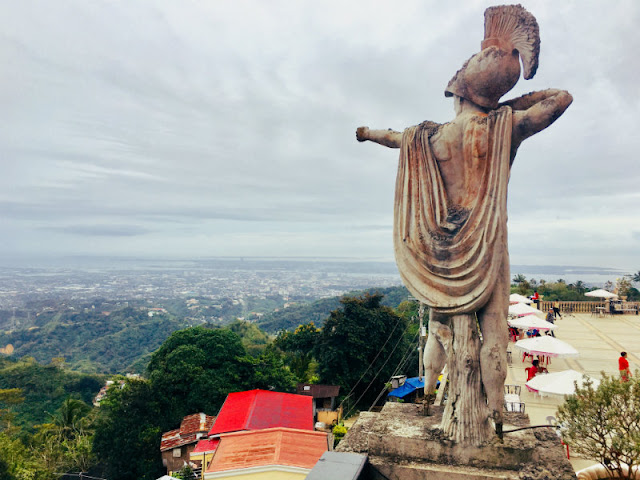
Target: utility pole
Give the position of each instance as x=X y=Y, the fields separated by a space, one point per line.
x=421 y=335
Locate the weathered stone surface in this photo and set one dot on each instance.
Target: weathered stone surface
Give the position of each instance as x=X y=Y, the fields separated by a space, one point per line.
x=403 y=443
x=450 y=217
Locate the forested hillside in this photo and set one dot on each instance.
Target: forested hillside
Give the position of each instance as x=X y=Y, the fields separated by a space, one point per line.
x=122 y=340
x=318 y=311
x=95 y=342
x=44 y=388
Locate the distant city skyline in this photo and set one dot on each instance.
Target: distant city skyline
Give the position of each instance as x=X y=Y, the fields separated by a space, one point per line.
x=155 y=280
x=201 y=129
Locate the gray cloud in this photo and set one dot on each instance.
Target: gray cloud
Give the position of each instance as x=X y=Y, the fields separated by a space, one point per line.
x=212 y=130
x=100 y=230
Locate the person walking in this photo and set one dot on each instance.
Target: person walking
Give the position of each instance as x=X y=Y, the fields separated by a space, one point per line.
x=623 y=366
x=556 y=308
x=551 y=318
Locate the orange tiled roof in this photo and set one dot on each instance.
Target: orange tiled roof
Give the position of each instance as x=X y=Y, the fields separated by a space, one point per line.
x=271 y=446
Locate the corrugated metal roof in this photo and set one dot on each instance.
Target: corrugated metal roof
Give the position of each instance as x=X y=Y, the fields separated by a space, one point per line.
x=258 y=409
x=318 y=391
x=338 y=466
x=175 y=441
x=196 y=423
x=191 y=429
x=272 y=446
x=207 y=445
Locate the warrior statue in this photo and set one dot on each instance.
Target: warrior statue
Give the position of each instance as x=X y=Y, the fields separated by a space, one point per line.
x=450 y=217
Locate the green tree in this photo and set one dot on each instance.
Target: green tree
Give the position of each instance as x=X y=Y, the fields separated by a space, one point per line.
x=186 y=473
x=128 y=429
x=44 y=388
x=253 y=339
x=71 y=418
x=269 y=372
x=361 y=346
x=519 y=278
x=604 y=423
x=299 y=346
x=522 y=284
x=195 y=369
x=9 y=397
x=64 y=444
x=636 y=277
x=408 y=309
x=4 y=470
x=580 y=286
x=623 y=286
x=18 y=463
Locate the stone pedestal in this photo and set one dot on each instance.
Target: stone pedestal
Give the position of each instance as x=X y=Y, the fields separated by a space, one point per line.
x=403 y=443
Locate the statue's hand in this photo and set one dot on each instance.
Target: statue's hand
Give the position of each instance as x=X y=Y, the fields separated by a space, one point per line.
x=362 y=134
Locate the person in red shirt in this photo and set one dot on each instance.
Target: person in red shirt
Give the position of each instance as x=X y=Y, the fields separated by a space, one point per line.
x=623 y=366
x=534 y=369
x=536 y=298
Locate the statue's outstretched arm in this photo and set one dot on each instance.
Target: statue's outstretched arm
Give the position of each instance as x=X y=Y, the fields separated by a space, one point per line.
x=388 y=138
x=536 y=111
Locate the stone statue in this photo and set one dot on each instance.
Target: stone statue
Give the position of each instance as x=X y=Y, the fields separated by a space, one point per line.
x=450 y=217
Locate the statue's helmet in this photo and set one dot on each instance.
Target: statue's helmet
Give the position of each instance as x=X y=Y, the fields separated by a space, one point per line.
x=486 y=77
x=510 y=32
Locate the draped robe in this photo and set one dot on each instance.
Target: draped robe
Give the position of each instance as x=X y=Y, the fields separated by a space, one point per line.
x=449 y=255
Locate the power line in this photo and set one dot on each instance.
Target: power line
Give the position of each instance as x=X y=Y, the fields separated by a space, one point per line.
x=399 y=367
x=380 y=370
x=372 y=362
x=80 y=475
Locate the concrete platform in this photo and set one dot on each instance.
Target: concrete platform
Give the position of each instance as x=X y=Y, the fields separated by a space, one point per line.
x=599 y=341
x=403 y=443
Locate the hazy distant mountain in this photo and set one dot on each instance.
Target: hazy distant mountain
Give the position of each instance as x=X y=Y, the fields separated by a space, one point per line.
x=318 y=311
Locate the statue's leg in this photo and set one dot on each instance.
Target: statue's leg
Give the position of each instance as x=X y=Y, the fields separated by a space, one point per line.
x=493 y=354
x=434 y=354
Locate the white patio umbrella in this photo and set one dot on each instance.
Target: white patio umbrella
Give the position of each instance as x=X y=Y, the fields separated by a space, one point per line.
x=517 y=298
x=600 y=293
x=558 y=383
x=528 y=322
x=520 y=309
x=547 y=346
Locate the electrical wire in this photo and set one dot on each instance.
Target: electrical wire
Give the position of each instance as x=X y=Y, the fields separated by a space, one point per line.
x=372 y=362
x=379 y=370
x=399 y=367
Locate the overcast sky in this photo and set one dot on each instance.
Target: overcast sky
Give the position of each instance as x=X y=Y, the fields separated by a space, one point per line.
x=211 y=128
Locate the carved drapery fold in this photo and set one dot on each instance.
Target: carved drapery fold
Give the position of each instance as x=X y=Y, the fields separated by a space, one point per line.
x=449 y=255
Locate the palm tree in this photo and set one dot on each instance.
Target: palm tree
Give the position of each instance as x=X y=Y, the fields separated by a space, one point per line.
x=636 y=277
x=519 y=278
x=580 y=286
x=70 y=418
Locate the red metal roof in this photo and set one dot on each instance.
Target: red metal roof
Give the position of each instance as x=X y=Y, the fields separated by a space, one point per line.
x=206 y=446
x=258 y=409
x=272 y=446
